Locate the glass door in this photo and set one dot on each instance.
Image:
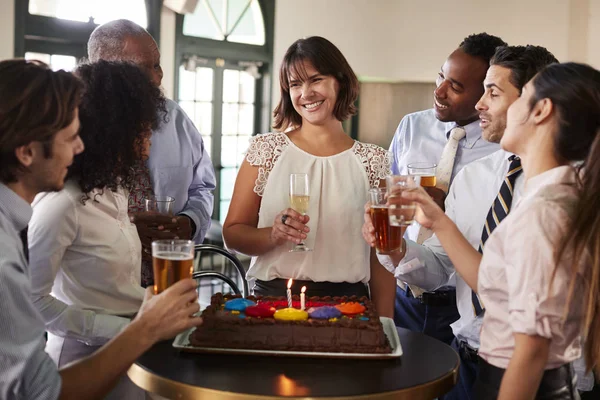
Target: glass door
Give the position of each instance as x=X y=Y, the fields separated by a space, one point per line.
x=221 y=97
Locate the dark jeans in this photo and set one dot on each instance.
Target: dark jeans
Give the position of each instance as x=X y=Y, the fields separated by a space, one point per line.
x=467 y=373
x=277 y=287
x=434 y=321
x=556 y=384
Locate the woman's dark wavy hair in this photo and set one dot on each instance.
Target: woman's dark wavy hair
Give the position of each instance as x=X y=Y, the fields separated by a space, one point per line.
x=326 y=58
x=574 y=90
x=119 y=105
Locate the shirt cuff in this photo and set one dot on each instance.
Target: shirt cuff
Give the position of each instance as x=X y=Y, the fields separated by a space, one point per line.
x=529 y=321
x=386 y=262
x=410 y=262
x=105 y=328
x=196 y=226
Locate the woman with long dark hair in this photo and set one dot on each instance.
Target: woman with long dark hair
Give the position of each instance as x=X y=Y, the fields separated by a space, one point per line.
x=85 y=254
x=539 y=276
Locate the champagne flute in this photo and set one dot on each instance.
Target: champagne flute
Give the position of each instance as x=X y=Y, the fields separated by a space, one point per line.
x=299 y=198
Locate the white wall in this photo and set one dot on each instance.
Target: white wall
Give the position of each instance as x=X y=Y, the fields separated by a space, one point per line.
x=167 y=50
x=7 y=29
x=594 y=34
x=408 y=40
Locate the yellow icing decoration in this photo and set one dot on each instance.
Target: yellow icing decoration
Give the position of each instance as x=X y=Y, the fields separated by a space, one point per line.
x=290 y=314
x=333 y=319
x=235 y=312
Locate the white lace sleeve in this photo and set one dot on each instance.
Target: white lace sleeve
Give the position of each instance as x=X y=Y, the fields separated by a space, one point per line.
x=376 y=161
x=263 y=152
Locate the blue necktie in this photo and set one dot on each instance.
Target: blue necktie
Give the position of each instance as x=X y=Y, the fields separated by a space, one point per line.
x=498 y=211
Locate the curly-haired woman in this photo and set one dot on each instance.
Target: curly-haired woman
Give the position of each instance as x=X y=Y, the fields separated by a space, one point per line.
x=84 y=252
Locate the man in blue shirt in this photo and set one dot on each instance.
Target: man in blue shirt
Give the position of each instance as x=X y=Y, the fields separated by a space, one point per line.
x=423 y=137
x=178 y=166
x=39 y=138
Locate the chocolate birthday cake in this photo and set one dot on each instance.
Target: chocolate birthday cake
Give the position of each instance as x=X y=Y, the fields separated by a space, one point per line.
x=329 y=324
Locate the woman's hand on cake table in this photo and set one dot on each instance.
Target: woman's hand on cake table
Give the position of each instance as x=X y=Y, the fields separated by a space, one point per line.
x=368 y=230
x=173 y=311
x=289 y=225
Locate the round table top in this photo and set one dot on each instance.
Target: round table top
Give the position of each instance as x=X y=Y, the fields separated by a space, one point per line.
x=427 y=369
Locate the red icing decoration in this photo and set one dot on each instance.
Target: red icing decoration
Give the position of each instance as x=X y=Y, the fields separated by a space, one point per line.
x=351 y=308
x=260 y=311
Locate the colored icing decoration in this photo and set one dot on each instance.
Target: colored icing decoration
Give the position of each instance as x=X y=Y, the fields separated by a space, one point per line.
x=333 y=320
x=351 y=308
x=364 y=318
x=238 y=304
x=260 y=311
x=290 y=314
x=325 y=312
x=235 y=312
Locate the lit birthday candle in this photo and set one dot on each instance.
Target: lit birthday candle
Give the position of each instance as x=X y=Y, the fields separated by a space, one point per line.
x=289 y=293
x=302 y=298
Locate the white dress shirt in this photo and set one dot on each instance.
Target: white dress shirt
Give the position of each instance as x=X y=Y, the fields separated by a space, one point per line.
x=421 y=137
x=84 y=263
x=467 y=204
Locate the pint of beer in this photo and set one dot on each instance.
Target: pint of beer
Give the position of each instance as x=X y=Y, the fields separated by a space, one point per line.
x=172 y=260
x=387 y=238
x=425 y=170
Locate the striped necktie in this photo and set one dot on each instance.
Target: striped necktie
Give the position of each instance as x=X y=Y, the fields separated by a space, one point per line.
x=498 y=211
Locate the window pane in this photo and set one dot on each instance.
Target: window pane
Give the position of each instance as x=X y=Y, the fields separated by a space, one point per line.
x=204 y=84
x=101 y=11
x=203 y=118
x=247 y=87
x=224 y=210
x=55 y=61
x=228 y=151
x=246 y=119
x=227 y=182
x=187 y=81
x=188 y=107
x=251 y=28
x=235 y=8
x=202 y=24
x=207 y=143
x=231 y=86
x=230 y=118
x=242 y=146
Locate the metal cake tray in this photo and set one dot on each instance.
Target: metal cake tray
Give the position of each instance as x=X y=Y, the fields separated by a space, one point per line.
x=181 y=342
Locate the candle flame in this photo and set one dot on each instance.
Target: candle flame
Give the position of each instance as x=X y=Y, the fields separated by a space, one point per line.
x=289 y=286
x=303 y=289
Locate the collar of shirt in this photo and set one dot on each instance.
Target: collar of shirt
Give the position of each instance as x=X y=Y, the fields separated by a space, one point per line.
x=565 y=174
x=473 y=133
x=17 y=210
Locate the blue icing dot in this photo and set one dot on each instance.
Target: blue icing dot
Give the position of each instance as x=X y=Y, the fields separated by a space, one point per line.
x=238 y=304
x=364 y=318
x=325 y=312
x=242 y=316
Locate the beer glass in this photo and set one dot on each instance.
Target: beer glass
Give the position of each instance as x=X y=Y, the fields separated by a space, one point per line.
x=425 y=170
x=401 y=211
x=387 y=238
x=172 y=261
x=299 y=198
x=160 y=204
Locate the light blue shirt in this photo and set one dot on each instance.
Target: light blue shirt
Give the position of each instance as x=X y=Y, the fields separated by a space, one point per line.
x=421 y=137
x=181 y=168
x=26 y=371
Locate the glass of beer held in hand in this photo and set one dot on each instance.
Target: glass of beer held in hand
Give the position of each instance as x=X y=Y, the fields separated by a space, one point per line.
x=425 y=170
x=172 y=261
x=387 y=238
x=401 y=211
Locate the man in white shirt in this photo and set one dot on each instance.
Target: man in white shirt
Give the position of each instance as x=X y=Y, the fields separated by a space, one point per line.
x=468 y=203
x=39 y=138
x=423 y=137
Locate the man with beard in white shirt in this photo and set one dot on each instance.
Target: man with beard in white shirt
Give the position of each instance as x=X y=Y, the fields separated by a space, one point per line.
x=473 y=190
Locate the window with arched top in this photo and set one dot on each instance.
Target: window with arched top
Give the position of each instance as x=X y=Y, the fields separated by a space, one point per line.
x=239 y=21
x=224 y=51
x=57 y=31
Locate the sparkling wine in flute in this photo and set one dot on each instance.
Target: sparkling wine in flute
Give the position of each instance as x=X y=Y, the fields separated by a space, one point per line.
x=299 y=203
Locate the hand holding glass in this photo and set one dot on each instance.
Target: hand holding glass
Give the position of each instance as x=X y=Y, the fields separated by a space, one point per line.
x=172 y=261
x=299 y=199
x=401 y=211
x=387 y=238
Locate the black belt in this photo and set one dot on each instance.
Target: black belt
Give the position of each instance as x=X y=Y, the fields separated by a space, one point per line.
x=467 y=352
x=557 y=383
x=440 y=298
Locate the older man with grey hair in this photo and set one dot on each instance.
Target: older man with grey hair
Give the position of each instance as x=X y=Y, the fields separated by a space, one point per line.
x=179 y=165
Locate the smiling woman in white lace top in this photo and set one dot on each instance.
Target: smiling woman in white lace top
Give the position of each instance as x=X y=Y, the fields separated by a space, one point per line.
x=318 y=90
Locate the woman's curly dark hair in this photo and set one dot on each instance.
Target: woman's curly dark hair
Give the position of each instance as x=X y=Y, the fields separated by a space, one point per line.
x=119 y=105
